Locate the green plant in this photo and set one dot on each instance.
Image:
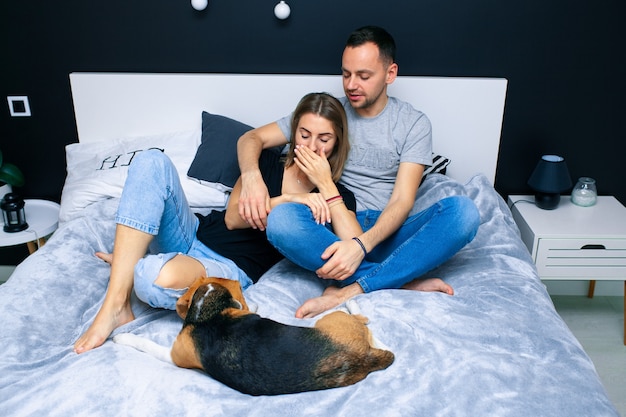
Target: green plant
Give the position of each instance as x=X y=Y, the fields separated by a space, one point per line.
x=10 y=174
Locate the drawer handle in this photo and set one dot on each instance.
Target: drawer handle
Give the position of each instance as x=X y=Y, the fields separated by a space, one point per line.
x=593 y=247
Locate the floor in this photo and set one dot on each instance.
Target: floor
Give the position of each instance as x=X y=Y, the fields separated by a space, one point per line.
x=598 y=324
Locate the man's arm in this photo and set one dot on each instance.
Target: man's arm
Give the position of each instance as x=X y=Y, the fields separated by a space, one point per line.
x=232 y=218
x=399 y=206
x=344 y=257
x=254 y=200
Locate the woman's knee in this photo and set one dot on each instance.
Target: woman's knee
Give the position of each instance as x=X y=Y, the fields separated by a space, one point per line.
x=158 y=282
x=285 y=219
x=151 y=160
x=146 y=272
x=179 y=272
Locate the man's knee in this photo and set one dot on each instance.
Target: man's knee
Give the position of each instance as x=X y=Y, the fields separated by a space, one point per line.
x=471 y=217
x=465 y=214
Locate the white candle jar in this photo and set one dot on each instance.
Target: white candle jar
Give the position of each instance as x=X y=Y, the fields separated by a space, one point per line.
x=585 y=193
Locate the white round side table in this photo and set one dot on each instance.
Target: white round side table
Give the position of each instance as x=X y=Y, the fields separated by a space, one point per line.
x=42 y=217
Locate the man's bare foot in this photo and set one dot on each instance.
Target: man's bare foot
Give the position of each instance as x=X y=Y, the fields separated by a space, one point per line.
x=331 y=297
x=107 y=320
x=429 y=285
x=314 y=306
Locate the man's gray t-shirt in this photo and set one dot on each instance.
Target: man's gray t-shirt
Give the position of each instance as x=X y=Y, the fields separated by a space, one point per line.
x=377 y=147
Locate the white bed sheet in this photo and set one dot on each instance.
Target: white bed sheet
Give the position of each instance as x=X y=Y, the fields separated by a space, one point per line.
x=495 y=348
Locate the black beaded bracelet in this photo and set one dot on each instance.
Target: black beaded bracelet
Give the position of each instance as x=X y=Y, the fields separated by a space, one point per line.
x=357 y=240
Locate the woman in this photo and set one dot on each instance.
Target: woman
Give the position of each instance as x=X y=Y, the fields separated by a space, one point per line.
x=154 y=215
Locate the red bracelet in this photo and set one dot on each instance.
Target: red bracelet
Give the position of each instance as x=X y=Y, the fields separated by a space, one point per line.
x=335 y=198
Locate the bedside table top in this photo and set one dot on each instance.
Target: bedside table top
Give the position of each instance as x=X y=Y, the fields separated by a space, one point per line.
x=42 y=217
x=607 y=218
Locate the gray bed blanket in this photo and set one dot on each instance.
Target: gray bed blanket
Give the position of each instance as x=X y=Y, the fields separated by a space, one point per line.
x=495 y=348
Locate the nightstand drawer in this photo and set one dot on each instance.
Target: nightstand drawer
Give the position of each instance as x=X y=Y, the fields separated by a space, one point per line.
x=581 y=258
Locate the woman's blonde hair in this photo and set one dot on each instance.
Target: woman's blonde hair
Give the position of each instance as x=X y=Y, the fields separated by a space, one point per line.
x=328 y=107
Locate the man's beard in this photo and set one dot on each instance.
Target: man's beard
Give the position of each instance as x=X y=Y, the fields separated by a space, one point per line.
x=368 y=102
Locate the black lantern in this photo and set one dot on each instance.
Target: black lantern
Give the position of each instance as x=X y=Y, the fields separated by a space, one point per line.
x=13 y=214
x=548 y=180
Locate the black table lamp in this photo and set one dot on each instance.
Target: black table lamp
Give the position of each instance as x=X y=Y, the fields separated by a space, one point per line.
x=12 y=207
x=549 y=179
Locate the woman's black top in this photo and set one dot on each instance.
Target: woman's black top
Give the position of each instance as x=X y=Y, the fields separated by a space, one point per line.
x=249 y=248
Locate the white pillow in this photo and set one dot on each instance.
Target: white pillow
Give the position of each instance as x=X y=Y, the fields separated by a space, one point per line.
x=98 y=170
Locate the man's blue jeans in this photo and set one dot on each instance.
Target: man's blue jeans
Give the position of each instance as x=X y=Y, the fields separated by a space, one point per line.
x=425 y=241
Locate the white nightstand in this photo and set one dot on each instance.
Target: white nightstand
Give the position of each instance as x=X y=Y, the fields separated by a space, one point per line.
x=42 y=217
x=575 y=243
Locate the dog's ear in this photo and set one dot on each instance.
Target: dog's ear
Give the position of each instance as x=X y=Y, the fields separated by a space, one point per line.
x=209 y=301
x=183 y=303
x=234 y=287
x=182 y=307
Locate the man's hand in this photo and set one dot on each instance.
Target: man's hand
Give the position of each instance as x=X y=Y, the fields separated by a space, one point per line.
x=343 y=259
x=254 y=200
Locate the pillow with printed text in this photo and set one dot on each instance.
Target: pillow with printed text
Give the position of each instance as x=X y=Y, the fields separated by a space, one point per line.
x=98 y=170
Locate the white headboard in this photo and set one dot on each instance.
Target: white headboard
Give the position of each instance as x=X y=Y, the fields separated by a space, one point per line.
x=466 y=113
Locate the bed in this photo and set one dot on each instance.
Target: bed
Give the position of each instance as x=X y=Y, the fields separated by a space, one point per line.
x=495 y=348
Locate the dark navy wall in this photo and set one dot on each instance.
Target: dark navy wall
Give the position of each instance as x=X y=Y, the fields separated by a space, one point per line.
x=563 y=60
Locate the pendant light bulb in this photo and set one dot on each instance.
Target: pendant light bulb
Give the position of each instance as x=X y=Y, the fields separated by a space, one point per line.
x=282 y=10
x=199 y=5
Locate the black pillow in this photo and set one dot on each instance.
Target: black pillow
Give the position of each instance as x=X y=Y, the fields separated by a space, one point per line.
x=216 y=158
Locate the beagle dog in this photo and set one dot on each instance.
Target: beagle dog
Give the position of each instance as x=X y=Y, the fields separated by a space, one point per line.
x=259 y=356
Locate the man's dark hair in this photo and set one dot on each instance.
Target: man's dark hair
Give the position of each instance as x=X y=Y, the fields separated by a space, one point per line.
x=379 y=37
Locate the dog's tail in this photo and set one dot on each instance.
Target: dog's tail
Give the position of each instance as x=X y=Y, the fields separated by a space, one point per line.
x=144 y=345
x=352 y=307
x=378 y=359
x=379 y=356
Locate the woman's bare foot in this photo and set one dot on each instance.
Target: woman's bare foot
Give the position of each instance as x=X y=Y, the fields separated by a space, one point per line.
x=129 y=246
x=107 y=320
x=429 y=285
x=331 y=297
x=106 y=257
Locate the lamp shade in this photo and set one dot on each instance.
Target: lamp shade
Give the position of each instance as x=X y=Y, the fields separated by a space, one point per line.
x=548 y=180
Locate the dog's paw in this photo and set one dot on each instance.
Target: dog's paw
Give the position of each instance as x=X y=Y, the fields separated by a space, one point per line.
x=343 y=309
x=353 y=307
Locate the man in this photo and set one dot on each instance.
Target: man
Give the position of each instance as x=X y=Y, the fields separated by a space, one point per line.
x=390 y=147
